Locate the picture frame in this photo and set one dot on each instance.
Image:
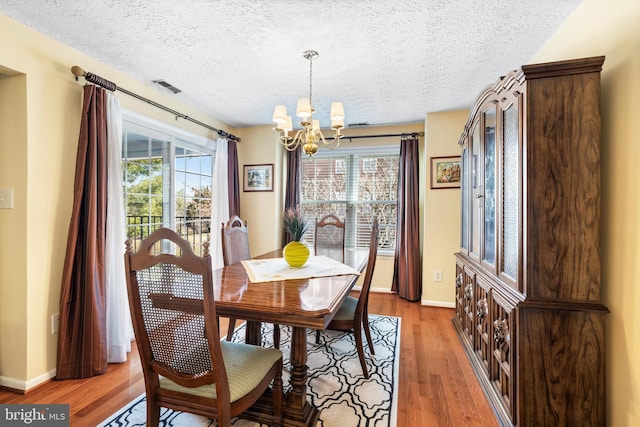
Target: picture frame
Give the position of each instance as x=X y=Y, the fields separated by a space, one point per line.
x=446 y=172
x=258 y=177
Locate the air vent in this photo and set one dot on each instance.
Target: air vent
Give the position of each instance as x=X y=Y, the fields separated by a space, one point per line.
x=358 y=125
x=169 y=86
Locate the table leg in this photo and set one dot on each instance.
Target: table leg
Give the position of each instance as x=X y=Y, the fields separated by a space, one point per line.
x=297 y=410
x=253 y=333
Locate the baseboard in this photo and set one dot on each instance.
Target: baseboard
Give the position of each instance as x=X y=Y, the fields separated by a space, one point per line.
x=378 y=290
x=443 y=304
x=22 y=387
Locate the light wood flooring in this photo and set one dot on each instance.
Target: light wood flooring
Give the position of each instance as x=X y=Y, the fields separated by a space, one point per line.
x=437 y=386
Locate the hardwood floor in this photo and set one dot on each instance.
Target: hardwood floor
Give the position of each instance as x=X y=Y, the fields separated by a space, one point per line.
x=437 y=386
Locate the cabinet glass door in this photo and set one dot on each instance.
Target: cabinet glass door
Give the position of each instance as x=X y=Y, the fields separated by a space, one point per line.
x=510 y=203
x=489 y=255
x=476 y=192
x=464 y=191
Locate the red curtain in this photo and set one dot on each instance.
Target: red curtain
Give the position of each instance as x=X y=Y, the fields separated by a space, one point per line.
x=407 y=269
x=233 y=179
x=82 y=338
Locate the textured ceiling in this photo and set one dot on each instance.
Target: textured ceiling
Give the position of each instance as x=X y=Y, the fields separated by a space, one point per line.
x=388 y=61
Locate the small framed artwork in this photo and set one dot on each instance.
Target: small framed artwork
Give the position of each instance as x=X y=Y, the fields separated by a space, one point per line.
x=445 y=172
x=258 y=177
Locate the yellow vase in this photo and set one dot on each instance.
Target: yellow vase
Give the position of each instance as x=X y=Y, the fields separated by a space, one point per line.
x=295 y=254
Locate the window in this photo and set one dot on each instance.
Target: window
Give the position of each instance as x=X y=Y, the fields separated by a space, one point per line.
x=355 y=185
x=167 y=179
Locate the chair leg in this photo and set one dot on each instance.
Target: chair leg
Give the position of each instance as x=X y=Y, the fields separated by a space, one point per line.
x=232 y=328
x=357 y=331
x=277 y=395
x=153 y=412
x=276 y=336
x=367 y=332
x=317 y=336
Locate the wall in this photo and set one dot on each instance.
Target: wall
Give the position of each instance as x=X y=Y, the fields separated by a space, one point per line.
x=39 y=124
x=441 y=211
x=13 y=266
x=611 y=28
x=259 y=146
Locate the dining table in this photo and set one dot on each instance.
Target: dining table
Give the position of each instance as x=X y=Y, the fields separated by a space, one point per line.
x=301 y=303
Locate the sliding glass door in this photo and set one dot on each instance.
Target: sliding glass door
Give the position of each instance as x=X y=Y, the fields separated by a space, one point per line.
x=167 y=183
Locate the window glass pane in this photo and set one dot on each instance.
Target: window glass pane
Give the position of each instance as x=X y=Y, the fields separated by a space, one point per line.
x=155 y=176
x=355 y=187
x=193 y=184
x=181 y=164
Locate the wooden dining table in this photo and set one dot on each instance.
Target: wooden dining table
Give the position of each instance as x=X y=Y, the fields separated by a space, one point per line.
x=300 y=303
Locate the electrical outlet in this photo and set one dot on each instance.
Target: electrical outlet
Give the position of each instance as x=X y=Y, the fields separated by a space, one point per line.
x=54 y=323
x=6 y=198
x=437 y=275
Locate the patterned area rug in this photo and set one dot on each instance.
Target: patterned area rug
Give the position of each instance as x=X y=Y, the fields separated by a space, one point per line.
x=336 y=384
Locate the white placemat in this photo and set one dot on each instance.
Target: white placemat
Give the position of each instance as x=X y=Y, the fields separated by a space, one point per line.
x=275 y=269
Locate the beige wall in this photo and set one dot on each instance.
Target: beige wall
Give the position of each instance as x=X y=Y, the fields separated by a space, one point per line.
x=13 y=246
x=40 y=104
x=441 y=211
x=611 y=28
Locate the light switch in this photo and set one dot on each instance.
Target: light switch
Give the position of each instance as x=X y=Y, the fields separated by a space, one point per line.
x=6 y=198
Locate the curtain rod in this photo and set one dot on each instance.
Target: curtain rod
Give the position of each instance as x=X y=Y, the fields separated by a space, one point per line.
x=386 y=135
x=109 y=85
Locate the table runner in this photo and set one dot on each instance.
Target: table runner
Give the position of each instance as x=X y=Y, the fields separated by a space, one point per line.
x=276 y=269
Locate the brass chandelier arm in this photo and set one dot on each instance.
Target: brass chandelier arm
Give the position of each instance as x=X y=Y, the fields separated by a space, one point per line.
x=310 y=136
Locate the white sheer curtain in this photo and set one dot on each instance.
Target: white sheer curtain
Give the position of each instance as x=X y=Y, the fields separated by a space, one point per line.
x=119 y=328
x=220 y=209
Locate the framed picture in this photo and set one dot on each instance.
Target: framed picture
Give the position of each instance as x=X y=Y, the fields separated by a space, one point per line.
x=258 y=177
x=445 y=172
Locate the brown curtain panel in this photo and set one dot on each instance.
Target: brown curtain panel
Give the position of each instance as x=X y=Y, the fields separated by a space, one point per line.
x=407 y=271
x=82 y=337
x=233 y=179
x=293 y=190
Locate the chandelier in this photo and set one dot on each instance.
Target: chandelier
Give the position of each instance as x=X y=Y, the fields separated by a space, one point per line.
x=310 y=135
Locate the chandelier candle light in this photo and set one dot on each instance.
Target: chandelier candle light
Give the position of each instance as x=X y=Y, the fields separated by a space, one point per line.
x=310 y=135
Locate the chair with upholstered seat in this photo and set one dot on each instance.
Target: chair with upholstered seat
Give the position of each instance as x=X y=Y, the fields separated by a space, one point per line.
x=235 y=248
x=353 y=314
x=185 y=364
x=329 y=237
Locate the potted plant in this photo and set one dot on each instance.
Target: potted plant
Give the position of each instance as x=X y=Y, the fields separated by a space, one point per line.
x=295 y=253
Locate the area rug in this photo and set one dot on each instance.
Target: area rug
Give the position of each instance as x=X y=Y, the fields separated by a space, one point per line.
x=336 y=384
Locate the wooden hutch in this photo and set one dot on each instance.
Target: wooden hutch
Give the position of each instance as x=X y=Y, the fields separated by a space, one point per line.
x=527 y=305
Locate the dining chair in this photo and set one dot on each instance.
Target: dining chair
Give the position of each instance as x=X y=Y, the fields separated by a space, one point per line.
x=235 y=248
x=353 y=314
x=329 y=237
x=185 y=364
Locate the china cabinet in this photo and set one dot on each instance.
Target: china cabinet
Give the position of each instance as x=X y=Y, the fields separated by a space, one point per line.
x=527 y=303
